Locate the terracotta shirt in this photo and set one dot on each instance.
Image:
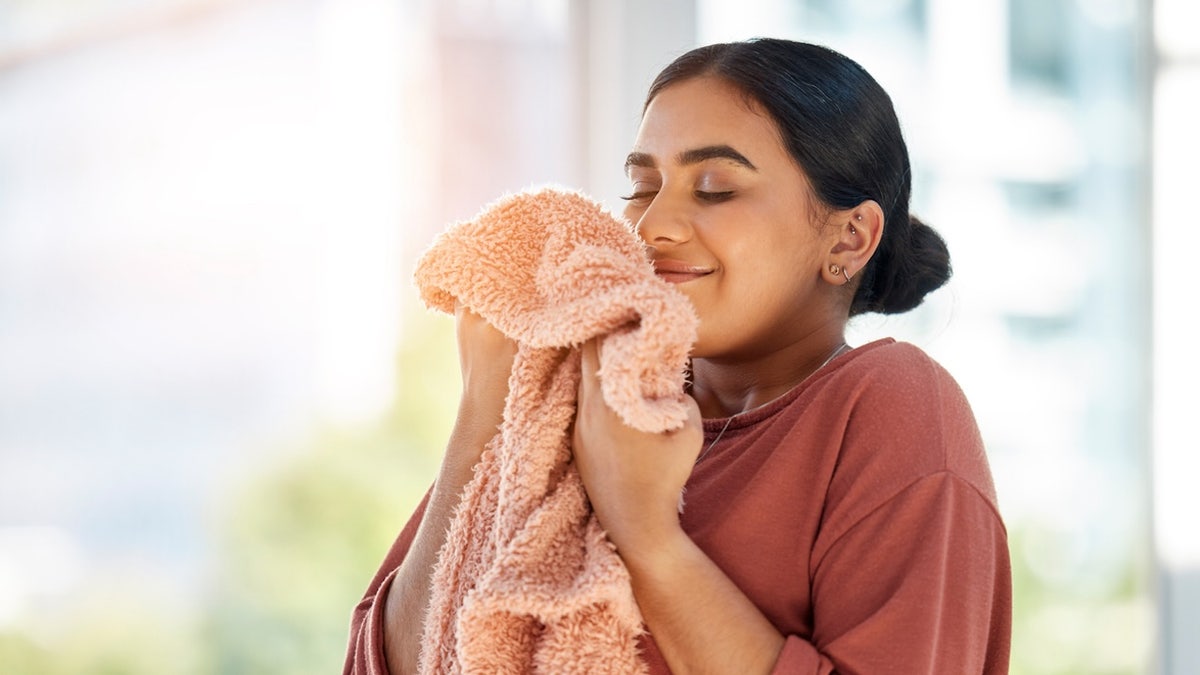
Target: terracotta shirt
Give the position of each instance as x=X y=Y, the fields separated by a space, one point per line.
x=856 y=511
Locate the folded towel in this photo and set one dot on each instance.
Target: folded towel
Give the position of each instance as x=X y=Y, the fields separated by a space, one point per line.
x=527 y=581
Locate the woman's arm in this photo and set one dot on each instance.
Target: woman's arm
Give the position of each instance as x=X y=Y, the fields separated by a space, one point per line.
x=485 y=358
x=701 y=621
x=916 y=580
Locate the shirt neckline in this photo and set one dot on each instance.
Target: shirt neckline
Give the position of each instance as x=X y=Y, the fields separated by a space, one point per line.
x=715 y=425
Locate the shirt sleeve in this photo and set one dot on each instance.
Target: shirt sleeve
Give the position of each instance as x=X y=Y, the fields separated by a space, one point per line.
x=365 y=651
x=922 y=584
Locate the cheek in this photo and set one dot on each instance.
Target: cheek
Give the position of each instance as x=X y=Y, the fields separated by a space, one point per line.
x=632 y=214
x=776 y=270
x=749 y=249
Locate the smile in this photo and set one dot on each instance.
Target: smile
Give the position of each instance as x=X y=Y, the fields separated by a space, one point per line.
x=678 y=272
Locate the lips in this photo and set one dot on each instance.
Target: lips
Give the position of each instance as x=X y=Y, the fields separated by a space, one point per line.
x=678 y=272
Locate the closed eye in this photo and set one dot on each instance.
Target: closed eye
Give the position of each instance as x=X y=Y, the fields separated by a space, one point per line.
x=640 y=196
x=714 y=197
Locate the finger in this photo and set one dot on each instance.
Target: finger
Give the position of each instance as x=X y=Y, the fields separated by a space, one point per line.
x=694 y=416
x=590 y=364
x=587 y=361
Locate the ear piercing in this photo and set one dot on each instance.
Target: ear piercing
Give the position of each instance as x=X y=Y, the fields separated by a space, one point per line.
x=835 y=269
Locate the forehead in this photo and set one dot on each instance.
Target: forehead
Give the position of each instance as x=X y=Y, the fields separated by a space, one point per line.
x=705 y=111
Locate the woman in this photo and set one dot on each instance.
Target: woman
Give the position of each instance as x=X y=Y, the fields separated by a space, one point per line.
x=840 y=511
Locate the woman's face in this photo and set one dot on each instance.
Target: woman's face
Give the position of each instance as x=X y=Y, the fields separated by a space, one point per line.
x=729 y=218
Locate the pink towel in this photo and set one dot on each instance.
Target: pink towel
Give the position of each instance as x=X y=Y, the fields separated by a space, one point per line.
x=526 y=581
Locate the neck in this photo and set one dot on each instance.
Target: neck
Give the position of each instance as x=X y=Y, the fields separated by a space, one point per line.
x=724 y=387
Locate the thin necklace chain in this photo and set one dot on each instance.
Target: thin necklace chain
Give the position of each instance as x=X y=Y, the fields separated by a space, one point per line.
x=840 y=348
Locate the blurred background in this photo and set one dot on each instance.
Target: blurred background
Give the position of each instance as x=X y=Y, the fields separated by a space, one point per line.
x=220 y=397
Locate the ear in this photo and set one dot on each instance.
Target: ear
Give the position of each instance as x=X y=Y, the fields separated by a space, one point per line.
x=856 y=234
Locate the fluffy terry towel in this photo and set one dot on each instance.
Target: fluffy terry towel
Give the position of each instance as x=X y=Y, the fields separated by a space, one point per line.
x=527 y=581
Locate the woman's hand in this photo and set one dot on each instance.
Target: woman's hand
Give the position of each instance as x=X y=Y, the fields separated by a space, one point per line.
x=633 y=479
x=700 y=619
x=485 y=358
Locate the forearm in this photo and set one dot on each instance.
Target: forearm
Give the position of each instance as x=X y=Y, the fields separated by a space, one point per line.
x=408 y=597
x=700 y=620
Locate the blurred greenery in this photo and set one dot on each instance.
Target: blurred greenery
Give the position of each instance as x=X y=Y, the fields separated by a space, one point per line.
x=294 y=548
x=1075 y=614
x=299 y=540
x=300 y=543
x=123 y=623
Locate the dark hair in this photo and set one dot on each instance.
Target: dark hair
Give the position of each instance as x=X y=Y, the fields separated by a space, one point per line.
x=840 y=127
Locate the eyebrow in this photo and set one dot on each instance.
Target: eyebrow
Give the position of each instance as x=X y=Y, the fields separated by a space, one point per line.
x=693 y=156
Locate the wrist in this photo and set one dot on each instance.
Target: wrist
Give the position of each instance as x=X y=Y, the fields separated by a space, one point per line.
x=652 y=553
x=480 y=413
x=472 y=431
x=477 y=420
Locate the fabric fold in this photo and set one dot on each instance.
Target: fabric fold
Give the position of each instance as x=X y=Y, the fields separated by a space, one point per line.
x=527 y=581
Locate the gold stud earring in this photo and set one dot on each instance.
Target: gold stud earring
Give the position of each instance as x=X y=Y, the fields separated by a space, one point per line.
x=835 y=270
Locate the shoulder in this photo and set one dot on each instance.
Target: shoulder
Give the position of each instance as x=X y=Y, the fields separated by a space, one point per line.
x=897 y=386
x=905 y=419
x=892 y=368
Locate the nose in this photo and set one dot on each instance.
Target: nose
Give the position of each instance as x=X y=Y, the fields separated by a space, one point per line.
x=663 y=223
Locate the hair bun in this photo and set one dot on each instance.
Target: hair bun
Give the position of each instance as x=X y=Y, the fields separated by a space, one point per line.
x=900 y=277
